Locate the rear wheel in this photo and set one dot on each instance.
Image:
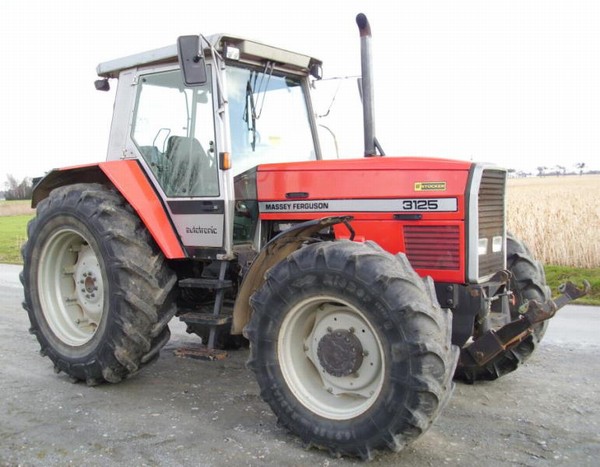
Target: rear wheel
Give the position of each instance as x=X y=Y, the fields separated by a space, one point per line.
x=350 y=348
x=528 y=282
x=97 y=289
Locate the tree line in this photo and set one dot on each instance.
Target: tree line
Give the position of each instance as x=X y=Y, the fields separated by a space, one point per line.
x=16 y=189
x=559 y=170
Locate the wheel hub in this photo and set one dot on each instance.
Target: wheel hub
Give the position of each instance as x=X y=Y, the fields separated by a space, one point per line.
x=72 y=290
x=340 y=353
x=331 y=357
x=88 y=281
x=90 y=284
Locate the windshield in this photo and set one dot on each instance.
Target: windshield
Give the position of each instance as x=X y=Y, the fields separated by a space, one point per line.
x=268 y=118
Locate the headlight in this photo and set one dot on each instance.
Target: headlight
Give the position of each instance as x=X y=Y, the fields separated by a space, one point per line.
x=482 y=246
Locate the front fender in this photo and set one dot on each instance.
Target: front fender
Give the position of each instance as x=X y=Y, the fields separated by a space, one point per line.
x=273 y=252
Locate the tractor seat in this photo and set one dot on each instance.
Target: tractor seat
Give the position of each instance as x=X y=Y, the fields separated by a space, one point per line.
x=191 y=172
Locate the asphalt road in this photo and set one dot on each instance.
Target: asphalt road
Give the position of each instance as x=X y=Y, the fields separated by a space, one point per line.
x=189 y=412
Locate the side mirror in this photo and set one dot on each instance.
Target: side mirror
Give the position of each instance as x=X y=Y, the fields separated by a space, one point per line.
x=191 y=60
x=316 y=71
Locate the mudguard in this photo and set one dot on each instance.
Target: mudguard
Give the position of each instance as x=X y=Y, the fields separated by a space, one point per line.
x=129 y=179
x=273 y=252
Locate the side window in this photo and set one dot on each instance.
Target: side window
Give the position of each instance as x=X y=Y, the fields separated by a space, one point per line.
x=173 y=128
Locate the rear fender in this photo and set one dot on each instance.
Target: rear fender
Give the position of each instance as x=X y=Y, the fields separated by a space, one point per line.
x=273 y=252
x=128 y=178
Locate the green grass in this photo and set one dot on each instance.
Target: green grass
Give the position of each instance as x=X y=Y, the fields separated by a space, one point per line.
x=13 y=233
x=556 y=275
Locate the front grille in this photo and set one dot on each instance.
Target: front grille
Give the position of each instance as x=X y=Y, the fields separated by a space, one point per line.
x=433 y=247
x=491 y=218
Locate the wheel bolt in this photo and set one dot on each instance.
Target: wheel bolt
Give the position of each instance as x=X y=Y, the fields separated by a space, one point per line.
x=365 y=353
x=351 y=330
x=329 y=329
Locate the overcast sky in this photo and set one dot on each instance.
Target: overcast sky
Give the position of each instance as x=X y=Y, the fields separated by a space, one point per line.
x=514 y=82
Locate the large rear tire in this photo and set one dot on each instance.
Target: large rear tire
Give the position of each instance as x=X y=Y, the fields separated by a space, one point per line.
x=98 y=291
x=528 y=282
x=350 y=348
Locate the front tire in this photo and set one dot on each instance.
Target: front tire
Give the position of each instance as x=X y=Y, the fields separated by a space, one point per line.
x=350 y=348
x=527 y=282
x=97 y=289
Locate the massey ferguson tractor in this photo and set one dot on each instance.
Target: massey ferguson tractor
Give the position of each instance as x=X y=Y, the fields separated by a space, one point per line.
x=364 y=286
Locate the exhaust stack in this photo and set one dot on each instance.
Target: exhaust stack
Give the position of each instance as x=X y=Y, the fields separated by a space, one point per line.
x=371 y=144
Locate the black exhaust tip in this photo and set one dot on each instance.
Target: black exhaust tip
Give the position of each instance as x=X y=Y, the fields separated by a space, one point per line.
x=363 y=25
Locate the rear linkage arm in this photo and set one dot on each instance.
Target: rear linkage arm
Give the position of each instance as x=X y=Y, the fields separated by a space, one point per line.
x=492 y=343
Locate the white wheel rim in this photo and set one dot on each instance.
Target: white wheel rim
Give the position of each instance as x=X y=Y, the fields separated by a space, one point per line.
x=313 y=385
x=71 y=287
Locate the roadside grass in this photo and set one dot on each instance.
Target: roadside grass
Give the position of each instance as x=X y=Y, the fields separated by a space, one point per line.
x=13 y=233
x=556 y=275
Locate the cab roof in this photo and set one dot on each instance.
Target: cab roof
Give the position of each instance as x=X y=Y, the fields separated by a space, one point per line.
x=249 y=51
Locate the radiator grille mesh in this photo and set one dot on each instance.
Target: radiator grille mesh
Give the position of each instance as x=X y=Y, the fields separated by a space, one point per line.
x=433 y=247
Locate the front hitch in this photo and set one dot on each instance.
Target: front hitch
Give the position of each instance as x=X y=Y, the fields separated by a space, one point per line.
x=492 y=343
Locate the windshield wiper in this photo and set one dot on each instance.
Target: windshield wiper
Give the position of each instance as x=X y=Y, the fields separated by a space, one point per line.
x=250 y=112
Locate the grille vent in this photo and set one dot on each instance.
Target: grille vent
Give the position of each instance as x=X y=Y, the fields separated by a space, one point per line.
x=432 y=247
x=491 y=218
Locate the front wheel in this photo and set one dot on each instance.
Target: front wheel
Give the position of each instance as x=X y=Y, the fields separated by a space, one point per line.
x=527 y=282
x=350 y=348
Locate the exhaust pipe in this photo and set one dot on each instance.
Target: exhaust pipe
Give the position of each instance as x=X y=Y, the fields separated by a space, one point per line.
x=366 y=87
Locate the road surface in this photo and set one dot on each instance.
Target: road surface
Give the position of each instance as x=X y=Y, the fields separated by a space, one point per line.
x=189 y=412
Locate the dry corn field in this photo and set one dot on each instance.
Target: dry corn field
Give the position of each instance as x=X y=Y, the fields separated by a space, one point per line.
x=558 y=217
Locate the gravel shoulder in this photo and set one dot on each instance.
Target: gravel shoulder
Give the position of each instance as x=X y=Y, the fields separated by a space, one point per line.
x=190 y=412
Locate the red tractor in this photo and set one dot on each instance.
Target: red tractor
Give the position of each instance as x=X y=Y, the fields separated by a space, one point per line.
x=363 y=286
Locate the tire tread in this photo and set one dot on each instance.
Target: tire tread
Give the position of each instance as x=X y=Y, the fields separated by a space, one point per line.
x=142 y=292
x=426 y=327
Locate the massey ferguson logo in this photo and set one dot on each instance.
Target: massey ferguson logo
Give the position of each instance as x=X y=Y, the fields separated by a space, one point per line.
x=305 y=206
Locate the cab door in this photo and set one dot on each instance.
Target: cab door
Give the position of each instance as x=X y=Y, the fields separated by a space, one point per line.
x=178 y=138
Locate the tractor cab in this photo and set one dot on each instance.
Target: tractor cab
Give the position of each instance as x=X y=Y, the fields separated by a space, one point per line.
x=243 y=104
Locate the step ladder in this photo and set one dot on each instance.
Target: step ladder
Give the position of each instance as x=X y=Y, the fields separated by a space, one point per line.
x=215 y=318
